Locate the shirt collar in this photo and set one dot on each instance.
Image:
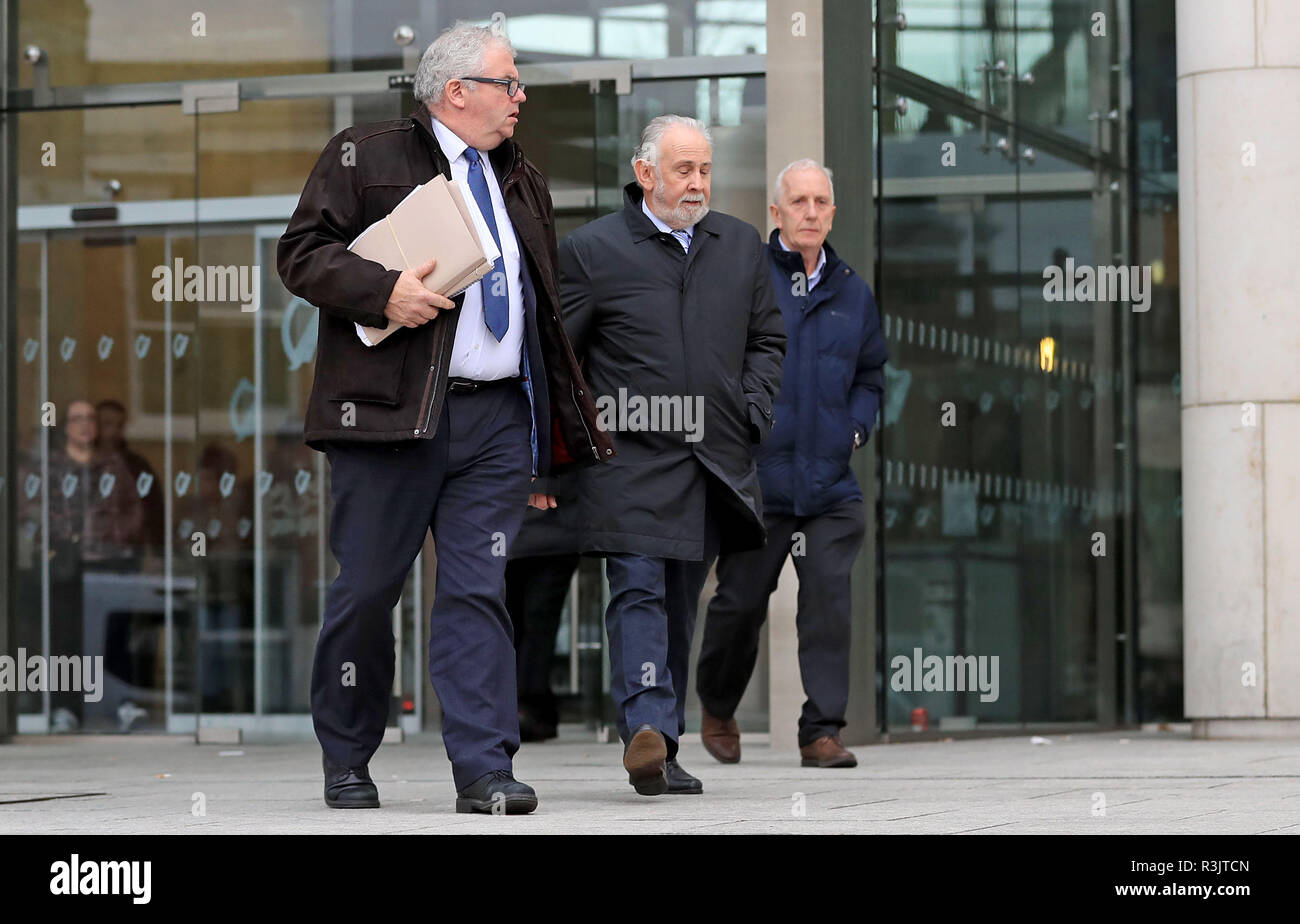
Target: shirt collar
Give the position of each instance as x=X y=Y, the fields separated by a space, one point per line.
x=689 y=229
x=821 y=256
x=449 y=141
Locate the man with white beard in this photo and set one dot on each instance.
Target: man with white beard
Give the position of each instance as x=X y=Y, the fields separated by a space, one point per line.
x=669 y=303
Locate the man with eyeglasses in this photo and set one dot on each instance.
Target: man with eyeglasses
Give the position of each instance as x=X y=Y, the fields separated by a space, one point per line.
x=440 y=426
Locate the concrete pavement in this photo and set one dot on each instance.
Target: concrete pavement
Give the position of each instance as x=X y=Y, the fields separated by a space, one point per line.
x=1112 y=783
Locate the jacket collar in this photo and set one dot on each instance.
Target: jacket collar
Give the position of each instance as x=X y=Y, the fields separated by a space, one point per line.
x=642 y=227
x=505 y=158
x=792 y=260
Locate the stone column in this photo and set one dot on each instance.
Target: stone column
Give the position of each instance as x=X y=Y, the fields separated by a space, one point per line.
x=819 y=106
x=794 y=130
x=1238 y=189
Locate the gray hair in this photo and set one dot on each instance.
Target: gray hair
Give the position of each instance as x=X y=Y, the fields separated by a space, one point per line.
x=653 y=133
x=806 y=163
x=457 y=52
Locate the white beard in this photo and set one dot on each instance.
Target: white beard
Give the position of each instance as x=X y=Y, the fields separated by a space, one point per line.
x=679 y=216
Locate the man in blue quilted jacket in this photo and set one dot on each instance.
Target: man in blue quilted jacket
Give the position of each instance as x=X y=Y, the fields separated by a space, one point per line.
x=813 y=508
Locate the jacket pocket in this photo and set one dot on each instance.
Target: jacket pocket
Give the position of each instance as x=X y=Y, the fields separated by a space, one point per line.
x=373 y=374
x=755 y=424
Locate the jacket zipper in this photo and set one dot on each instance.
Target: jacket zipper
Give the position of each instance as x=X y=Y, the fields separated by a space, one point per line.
x=436 y=358
x=591 y=444
x=428 y=384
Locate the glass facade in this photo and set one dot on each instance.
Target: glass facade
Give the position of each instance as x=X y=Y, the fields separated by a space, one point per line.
x=1003 y=456
x=1027 y=463
x=167 y=516
x=99 y=42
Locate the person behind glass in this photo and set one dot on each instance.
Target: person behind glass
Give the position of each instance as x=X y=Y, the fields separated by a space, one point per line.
x=94 y=523
x=829 y=397
x=669 y=302
x=441 y=425
x=111 y=418
x=111 y=507
x=542 y=561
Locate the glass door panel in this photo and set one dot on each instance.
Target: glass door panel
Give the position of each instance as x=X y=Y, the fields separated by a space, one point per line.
x=999 y=404
x=103 y=409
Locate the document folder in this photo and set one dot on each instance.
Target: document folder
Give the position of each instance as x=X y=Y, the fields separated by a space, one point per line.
x=434 y=220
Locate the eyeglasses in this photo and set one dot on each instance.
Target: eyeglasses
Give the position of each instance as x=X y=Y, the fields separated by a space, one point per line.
x=511 y=84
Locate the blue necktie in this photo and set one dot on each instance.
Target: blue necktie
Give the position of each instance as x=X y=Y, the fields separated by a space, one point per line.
x=496 y=307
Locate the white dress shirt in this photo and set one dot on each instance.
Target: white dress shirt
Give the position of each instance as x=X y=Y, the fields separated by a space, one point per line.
x=817 y=271
x=476 y=354
x=683 y=236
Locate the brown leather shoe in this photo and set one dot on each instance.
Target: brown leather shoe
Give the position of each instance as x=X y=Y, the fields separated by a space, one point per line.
x=721 y=737
x=644 y=760
x=827 y=752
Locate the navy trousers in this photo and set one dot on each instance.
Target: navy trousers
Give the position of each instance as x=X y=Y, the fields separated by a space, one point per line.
x=650 y=621
x=469 y=484
x=729 y=649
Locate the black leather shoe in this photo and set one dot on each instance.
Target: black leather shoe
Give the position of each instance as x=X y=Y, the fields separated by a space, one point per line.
x=349 y=787
x=681 y=783
x=644 y=759
x=497 y=793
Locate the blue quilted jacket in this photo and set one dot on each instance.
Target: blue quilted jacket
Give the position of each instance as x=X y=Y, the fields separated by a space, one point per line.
x=833 y=382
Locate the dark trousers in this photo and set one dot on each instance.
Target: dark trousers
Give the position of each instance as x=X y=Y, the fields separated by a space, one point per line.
x=736 y=613
x=651 y=621
x=67 y=627
x=469 y=484
x=536 y=587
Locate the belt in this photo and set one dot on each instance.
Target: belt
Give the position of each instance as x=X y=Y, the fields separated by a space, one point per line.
x=459 y=386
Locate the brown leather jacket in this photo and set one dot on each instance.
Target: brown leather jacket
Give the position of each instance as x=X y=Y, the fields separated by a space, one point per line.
x=397 y=387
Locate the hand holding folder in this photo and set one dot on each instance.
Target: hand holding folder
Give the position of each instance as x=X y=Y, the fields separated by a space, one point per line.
x=433 y=221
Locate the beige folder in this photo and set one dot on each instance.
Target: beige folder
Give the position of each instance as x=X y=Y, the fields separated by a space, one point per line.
x=432 y=221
